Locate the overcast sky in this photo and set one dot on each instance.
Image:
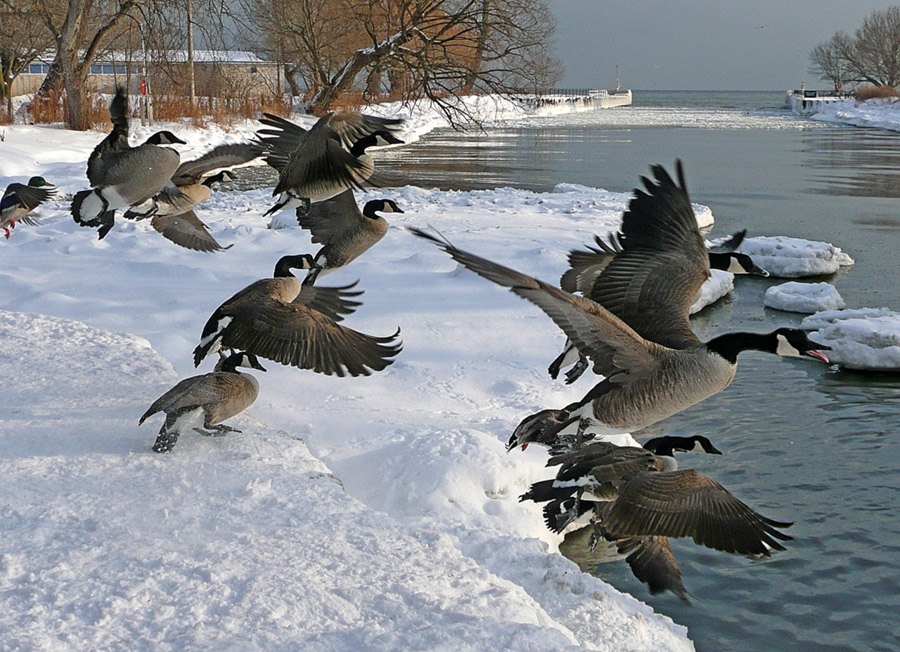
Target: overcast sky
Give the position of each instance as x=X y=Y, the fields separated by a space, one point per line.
x=698 y=44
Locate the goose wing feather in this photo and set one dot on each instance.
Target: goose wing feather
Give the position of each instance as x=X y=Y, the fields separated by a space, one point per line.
x=295 y=334
x=617 y=351
x=223 y=156
x=689 y=504
x=351 y=126
x=652 y=562
x=334 y=302
x=328 y=218
x=188 y=231
x=197 y=391
x=320 y=163
x=652 y=282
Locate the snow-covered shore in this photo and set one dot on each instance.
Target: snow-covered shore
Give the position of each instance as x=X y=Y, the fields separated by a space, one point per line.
x=878 y=113
x=372 y=513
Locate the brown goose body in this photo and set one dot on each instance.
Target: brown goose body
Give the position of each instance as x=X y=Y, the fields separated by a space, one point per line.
x=208 y=399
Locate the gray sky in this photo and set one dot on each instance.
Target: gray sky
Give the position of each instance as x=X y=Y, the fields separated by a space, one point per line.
x=698 y=44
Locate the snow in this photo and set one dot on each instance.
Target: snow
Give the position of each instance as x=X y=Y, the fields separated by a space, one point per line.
x=785 y=257
x=883 y=113
x=374 y=513
x=864 y=339
x=803 y=297
x=714 y=288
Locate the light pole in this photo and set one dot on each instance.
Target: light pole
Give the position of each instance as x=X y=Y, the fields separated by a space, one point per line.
x=146 y=109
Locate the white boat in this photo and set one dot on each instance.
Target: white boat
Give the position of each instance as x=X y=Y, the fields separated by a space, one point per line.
x=807 y=102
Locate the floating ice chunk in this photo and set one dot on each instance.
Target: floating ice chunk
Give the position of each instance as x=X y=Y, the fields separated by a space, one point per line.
x=803 y=297
x=786 y=257
x=714 y=288
x=868 y=338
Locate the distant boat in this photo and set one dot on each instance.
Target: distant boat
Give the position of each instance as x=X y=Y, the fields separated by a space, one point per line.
x=807 y=102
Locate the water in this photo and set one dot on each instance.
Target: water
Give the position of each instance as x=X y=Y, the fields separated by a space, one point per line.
x=802 y=442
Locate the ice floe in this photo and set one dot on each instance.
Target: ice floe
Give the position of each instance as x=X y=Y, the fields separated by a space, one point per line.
x=803 y=297
x=865 y=338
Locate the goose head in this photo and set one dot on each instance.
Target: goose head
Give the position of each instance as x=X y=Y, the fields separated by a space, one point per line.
x=667 y=445
x=164 y=138
x=286 y=263
x=793 y=342
x=743 y=264
x=239 y=359
x=380 y=206
x=218 y=178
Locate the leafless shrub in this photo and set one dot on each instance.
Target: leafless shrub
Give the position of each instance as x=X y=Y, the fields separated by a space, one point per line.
x=864 y=93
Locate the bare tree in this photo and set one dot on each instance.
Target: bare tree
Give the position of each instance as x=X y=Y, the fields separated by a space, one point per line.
x=22 y=39
x=416 y=48
x=81 y=28
x=871 y=55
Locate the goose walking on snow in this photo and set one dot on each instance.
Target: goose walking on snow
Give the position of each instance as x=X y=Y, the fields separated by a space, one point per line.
x=279 y=319
x=328 y=159
x=208 y=400
x=639 y=499
x=653 y=364
x=19 y=200
x=121 y=175
x=344 y=232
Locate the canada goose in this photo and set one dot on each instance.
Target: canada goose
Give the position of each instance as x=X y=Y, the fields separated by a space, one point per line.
x=586 y=275
x=279 y=319
x=668 y=369
x=639 y=499
x=331 y=157
x=208 y=399
x=19 y=200
x=121 y=175
x=343 y=231
x=189 y=179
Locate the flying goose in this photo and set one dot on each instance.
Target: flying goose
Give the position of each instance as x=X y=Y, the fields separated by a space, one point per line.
x=343 y=231
x=279 y=319
x=667 y=369
x=189 y=179
x=328 y=159
x=639 y=499
x=586 y=276
x=121 y=175
x=208 y=399
x=19 y=200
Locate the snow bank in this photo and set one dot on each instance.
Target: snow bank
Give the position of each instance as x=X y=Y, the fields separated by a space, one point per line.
x=866 y=338
x=803 y=297
x=242 y=542
x=786 y=257
x=249 y=541
x=883 y=113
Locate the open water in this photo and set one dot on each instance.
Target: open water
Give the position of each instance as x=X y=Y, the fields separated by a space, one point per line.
x=802 y=442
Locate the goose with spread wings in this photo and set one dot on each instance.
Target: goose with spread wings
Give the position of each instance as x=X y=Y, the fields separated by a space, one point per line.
x=638 y=498
x=329 y=158
x=653 y=364
x=281 y=320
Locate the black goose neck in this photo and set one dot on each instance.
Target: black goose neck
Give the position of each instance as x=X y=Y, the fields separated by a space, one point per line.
x=284 y=265
x=359 y=147
x=231 y=363
x=369 y=210
x=730 y=345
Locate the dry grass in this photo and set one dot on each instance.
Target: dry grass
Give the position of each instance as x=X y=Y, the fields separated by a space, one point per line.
x=864 y=93
x=224 y=111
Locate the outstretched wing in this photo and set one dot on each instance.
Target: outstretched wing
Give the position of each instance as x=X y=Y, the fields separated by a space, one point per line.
x=188 y=231
x=652 y=562
x=651 y=283
x=689 y=504
x=223 y=156
x=617 y=351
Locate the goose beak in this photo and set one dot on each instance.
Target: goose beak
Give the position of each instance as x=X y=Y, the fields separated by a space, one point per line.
x=812 y=353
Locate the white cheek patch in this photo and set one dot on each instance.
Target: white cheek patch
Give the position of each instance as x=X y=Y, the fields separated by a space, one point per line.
x=698 y=448
x=735 y=267
x=785 y=347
